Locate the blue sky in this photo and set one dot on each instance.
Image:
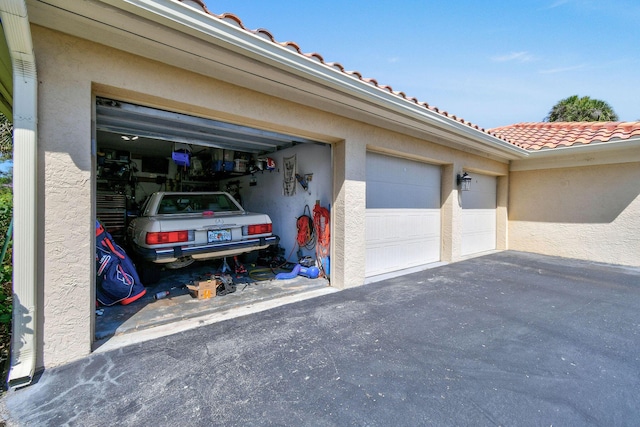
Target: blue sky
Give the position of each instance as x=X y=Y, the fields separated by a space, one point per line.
x=493 y=63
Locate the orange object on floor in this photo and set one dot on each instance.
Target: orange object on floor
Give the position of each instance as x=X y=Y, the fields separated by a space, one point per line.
x=133 y=298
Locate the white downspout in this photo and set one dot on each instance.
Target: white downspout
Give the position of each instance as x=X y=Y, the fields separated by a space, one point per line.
x=15 y=23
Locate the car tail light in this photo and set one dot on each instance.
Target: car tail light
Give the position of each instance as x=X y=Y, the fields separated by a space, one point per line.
x=257 y=229
x=168 y=237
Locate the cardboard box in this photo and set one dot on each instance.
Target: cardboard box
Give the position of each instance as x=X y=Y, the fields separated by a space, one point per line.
x=203 y=289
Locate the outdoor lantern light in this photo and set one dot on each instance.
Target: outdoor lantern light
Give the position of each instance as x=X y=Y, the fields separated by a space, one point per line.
x=464 y=181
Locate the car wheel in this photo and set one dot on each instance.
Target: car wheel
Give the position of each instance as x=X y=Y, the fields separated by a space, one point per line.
x=149 y=273
x=182 y=262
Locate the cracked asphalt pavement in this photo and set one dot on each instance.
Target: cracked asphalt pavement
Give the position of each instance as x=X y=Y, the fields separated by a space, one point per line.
x=504 y=339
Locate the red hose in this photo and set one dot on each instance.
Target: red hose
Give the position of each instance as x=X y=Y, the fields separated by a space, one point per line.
x=323 y=234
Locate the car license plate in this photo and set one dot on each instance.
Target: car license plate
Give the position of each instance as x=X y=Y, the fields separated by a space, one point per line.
x=218 y=235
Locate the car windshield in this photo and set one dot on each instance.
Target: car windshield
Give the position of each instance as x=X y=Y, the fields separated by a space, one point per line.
x=196 y=203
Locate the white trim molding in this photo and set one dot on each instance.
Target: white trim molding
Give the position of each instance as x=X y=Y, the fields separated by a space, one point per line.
x=15 y=23
x=603 y=153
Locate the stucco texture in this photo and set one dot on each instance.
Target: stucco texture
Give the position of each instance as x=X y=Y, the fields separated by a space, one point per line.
x=71 y=71
x=590 y=213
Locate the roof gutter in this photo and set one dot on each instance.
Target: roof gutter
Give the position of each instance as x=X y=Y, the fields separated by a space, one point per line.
x=15 y=23
x=196 y=23
x=601 y=153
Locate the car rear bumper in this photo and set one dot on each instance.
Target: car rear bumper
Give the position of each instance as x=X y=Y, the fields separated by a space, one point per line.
x=163 y=255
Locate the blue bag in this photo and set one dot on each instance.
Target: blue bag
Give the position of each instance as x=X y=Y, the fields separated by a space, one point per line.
x=117 y=279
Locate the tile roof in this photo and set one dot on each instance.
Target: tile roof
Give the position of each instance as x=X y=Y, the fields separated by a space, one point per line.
x=549 y=135
x=231 y=18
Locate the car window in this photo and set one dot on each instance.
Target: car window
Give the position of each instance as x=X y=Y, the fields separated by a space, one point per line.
x=197 y=203
x=144 y=210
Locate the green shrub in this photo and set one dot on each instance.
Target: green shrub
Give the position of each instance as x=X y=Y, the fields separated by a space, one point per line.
x=6 y=270
x=6 y=264
x=5 y=294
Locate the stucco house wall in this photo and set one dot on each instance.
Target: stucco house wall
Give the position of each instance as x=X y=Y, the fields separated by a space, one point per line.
x=579 y=202
x=584 y=212
x=73 y=71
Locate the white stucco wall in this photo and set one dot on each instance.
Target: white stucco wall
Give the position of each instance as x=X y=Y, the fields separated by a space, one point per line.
x=267 y=195
x=71 y=71
x=587 y=212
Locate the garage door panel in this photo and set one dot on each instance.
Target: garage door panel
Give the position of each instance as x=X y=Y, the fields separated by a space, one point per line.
x=403 y=214
x=385 y=168
x=479 y=227
x=401 y=238
x=479 y=200
x=385 y=195
x=394 y=183
x=387 y=225
x=479 y=215
x=388 y=258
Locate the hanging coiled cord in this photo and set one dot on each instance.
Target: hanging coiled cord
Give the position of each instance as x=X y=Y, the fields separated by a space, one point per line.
x=306 y=237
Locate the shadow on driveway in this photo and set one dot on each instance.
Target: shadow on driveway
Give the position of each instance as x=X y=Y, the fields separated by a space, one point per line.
x=505 y=339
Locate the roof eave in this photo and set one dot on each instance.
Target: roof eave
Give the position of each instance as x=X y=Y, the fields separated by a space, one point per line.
x=230 y=36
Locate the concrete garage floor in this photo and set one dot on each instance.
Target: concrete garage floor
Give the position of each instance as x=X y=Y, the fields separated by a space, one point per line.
x=149 y=317
x=509 y=339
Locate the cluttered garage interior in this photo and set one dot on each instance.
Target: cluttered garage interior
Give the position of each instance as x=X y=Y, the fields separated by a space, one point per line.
x=196 y=215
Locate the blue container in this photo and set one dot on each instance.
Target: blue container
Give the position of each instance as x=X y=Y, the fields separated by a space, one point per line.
x=181 y=159
x=326 y=266
x=216 y=166
x=222 y=166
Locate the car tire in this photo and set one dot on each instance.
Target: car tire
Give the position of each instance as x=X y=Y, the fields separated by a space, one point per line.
x=182 y=262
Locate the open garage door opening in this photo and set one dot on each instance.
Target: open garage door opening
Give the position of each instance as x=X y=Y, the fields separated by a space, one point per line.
x=214 y=215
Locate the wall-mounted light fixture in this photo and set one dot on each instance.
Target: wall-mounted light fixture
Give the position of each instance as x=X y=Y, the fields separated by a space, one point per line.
x=464 y=181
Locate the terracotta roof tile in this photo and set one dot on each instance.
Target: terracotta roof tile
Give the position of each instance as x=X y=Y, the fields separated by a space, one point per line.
x=538 y=136
x=356 y=74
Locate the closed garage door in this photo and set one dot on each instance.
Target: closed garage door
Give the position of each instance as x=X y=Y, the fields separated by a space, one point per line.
x=479 y=215
x=403 y=214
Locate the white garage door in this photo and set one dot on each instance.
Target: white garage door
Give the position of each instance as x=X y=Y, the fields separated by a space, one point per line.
x=479 y=215
x=403 y=214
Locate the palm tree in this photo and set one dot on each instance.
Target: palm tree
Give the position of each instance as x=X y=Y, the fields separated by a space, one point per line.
x=585 y=109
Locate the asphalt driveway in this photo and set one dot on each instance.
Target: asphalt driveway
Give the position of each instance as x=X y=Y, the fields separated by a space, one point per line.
x=508 y=339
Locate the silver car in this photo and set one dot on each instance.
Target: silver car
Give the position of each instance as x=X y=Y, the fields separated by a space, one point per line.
x=175 y=228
